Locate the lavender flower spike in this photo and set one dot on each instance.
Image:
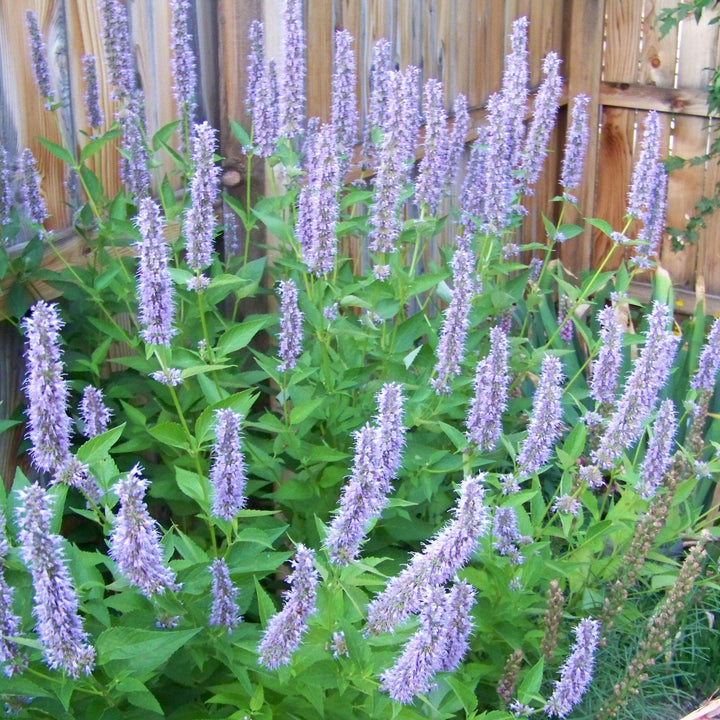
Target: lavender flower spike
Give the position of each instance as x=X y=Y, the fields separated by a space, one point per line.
x=456 y=138
x=290 y=326
x=118 y=52
x=255 y=64
x=361 y=500
x=46 y=389
x=641 y=187
x=228 y=470
x=576 y=142
x=204 y=190
x=134 y=165
x=225 y=611
x=606 y=366
x=444 y=555
x=38 y=55
x=182 y=61
x=434 y=170
x=94 y=113
x=484 y=418
x=6 y=184
x=292 y=76
x=507 y=536
x=135 y=540
x=285 y=630
x=458 y=603
x=390 y=429
x=155 y=288
x=546 y=421
x=576 y=672
x=59 y=627
x=30 y=188
x=94 y=412
x=704 y=378
x=423 y=654
x=451 y=346
x=649 y=374
x=344 y=114
x=380 y=74
x=11 y=657
x=659 y=451
x=546 y=106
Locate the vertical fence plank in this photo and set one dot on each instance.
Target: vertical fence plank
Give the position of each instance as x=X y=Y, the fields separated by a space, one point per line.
x=319 y=24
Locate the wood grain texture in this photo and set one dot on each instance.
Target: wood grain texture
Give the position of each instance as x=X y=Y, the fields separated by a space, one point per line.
x=12 y=370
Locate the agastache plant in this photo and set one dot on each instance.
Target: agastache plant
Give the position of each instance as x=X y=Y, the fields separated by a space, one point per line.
x=605 y=369
x=182 y=60
x=434 y=168
x=94 y=113
x=59 y=627
x=115 y=26
x=446 y=553
x=199 y=224
x=285 y=629
x=155 y=288
x=343 y=113
x=134 y=164
x=6 y=184
x=135 y=539
x=380 y=90
x=709 y=361
x=95 y=414
x=38 y=57
x=546 y=421
x=458 y=603
x=291 y=319
x=12 y=658
x=659 y=450
x=577 y=670
x=32 y=200
x=224 y=611
x=578 y=133
x=228 y=472
x=484 y=418
x=293 y=70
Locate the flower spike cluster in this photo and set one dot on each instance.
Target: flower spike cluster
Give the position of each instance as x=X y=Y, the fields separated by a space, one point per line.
x=224 y=611
x=606 y=366
x=59 y=627
x=285 y=629
x=135 y=540
x=182 y=60
x=659 y=451
x=33 y=202
x=227 y=474
x=575 y=147
x=11 y=657
x=38 y=56
x=95 y=414
x=291 y=318
x=709 y=361
x=95 y=115
x=444 y=555
x=118 y=51
x=344 y=114
x=293 y=72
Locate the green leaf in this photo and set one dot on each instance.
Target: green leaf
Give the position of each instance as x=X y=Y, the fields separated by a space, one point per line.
x=194 y=486
x=603 y=225
x=162 y=135
x=456 y=437
x=239 y=402
x=58 y=151
x=276 y=225
x=240 y=134
x=304 y=410
x=532 y=681
x=265 y=604
x=410 y=357
x=140 y=651
x=97 y=144
x=138 y=695
x=201 y=370
x=170 y=433
x=92 y=183
x=238 y=336
x=98 y=447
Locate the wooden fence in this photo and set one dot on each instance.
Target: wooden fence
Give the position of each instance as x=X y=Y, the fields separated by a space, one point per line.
x=611 y=50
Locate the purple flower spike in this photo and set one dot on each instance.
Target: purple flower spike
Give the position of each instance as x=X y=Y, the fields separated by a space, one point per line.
x=285 y=630
x=228 y=470
x=155 y=288
x=13 y=660
x=577 y=670
x=169 y=376
x=704 y=378
x=225 y=611
x=362 y=499
x=653 y=216
x=484 y=419
x=94 y=412
x=38 y=56
x=566 y=326
x=507 y=536
x=318 y=206
x=6 y=185
x=46 y=389
x=546 y=421
x=456 y=140
x=290 y=326
x=424 y=653
x=650 y=372
x=458 y=603
x=344 y=114
x=59 y=627
x=266 y=120
x=30 y=188
x=182 y=61
x=576 y=142
x=134 y=165
x=434 y=169
x=204 y=190
x=292 y=77
x=443 y=556
x=380 y=91
x=545 y=111
x=659 y=451
x=118 y=51
x=391 y=431
x=606 y=366
x=642 y=179
x=95 y=116
x=474 y=194
x=409 y=113
x=255 y=65
x=135 y=540
x=456 y=320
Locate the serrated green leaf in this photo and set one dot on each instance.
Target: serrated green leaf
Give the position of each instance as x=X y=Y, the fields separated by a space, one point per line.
x=97 y=144
x=170 y=433
x=98 y=447
x=238 y=336
x=57 y=150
